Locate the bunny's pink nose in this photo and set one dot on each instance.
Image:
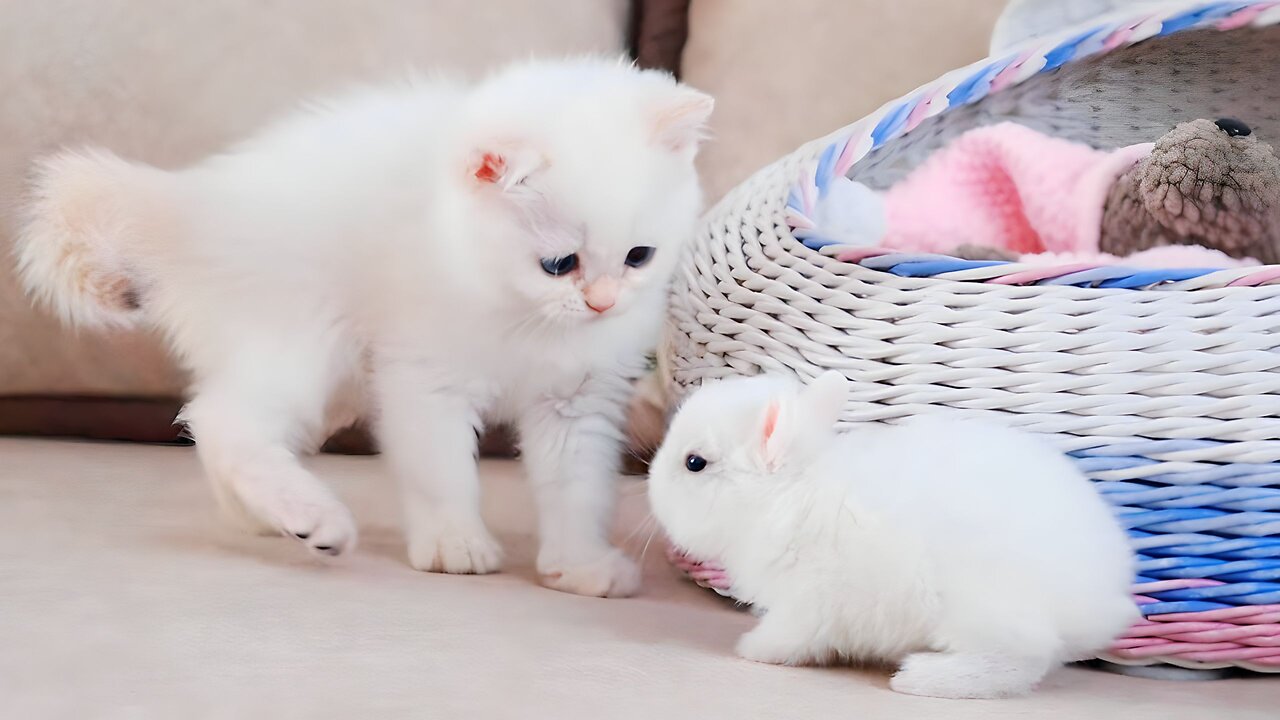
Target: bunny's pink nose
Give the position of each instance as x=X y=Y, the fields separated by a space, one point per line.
x=601 y=294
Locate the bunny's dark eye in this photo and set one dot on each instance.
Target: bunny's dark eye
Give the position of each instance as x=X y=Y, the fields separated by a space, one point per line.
x=640 y=255
x=561 y=265
x=695 y=463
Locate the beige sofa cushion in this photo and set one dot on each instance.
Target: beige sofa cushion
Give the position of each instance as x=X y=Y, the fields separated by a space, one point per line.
x=786 y=72
x=168 y=81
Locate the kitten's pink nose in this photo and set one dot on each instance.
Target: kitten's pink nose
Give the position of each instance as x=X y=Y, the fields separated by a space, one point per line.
x=601 y=294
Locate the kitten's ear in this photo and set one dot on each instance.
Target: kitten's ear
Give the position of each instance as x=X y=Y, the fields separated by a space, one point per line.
x=680 y=118
x=504 y=165
x=823 y=400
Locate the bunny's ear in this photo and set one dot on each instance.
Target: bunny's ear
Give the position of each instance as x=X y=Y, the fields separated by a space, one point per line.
x=823 y=400
x=777 y=430
x=792 y=421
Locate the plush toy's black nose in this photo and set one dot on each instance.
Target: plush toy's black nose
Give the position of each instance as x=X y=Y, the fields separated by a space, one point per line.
x=1232 y=127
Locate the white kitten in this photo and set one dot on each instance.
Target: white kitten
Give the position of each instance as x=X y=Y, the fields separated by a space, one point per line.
x=972 y=555
x=470 y=253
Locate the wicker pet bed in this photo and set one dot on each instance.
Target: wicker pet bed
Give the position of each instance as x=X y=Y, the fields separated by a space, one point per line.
x=1162 y=385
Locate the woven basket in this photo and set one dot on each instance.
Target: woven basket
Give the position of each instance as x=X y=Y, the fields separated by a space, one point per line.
x=1162 y=385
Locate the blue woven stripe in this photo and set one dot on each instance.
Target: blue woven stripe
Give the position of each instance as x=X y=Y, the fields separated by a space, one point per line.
x=1065 y=51
x=1199 y=15
x=1199 y=544
x=892 y=260
x=976 y=86
x=1147 y=447
x=1256 y=593
x=1247 y=524
x=937 y=267
x=1096 y=465
x=1161 y=608
x=1230 y=571
x=1154 y=277
x=1091 y=465
x=825 y=164
x=1174 y=496
x=815 y=242
x=891 y=123
x=1233 y=474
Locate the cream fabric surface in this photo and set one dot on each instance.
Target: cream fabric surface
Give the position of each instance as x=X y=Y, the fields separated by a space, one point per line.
x=122 y=598
x=167 y=81
x=784 y=73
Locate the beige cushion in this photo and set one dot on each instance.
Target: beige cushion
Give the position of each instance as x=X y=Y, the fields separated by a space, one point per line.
x=787 y=72
x=122 y=599
x=167 y=82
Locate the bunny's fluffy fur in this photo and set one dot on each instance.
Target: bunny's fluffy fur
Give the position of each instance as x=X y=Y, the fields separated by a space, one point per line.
x=386 y=244
x=970 y=555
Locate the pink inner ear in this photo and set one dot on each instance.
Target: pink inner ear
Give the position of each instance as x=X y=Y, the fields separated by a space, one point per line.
x=492 y=167
x=770 y=420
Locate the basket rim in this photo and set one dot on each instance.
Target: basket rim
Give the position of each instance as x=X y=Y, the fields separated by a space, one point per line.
x=834 y=155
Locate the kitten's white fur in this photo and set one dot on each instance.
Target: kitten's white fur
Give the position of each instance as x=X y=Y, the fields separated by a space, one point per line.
x=971 y=555
x=390 y=240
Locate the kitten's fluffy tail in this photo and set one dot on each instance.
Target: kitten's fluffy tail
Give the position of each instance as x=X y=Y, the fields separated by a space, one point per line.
x=80 y=250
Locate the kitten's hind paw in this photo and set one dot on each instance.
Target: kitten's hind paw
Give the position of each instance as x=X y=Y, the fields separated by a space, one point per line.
x=969 y=676
x=612 y=574
x=448 y=548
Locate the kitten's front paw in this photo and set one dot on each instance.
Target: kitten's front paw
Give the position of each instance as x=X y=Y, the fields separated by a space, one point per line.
x=452 y=548
x=327 y=528
x=612 y=574
x=293 y=505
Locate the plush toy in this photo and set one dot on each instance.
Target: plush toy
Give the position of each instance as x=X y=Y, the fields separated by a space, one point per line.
x=1206 y=194
x=1205 y=183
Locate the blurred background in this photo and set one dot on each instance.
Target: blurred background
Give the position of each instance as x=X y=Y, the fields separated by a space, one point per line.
x=169 y=81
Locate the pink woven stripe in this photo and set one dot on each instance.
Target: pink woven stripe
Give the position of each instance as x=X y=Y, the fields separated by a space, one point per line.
x=1256 y=635
x=1267 y=657
x=1028 y=276
x=1186 y=629
x=808 y=194
x=1266 y=274
x=1147 y=647
x=922 y=108
x=1006 y=76
x=1244 y=615
x=1233 y=635
x=1258 y=656
x=849 y=155
x=1244 y=17
x=858 y=254
x=798 y=221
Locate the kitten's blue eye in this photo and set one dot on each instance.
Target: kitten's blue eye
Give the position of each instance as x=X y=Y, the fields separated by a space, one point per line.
x=640 y=255
x=695 y=463
x=560 y=265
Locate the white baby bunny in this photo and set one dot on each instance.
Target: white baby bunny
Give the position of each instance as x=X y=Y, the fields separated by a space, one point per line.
x=972 y=556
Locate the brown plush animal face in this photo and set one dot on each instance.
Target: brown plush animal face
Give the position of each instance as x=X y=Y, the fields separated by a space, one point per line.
x=1211 y=183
